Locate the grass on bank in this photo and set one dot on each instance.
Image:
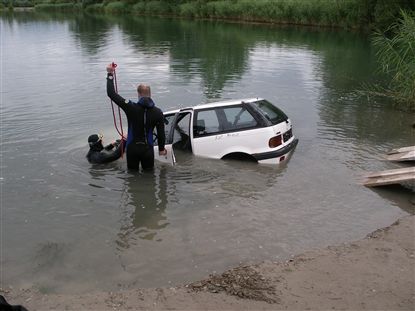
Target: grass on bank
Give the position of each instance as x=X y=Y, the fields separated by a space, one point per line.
x=345 y=13
x=396 y=54
x=337 y=13
x=62 y=7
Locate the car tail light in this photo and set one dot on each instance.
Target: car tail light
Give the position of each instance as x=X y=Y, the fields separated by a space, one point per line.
x=275 y=141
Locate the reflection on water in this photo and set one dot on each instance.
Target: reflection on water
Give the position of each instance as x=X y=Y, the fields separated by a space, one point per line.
x=69 y=227
x=143 y=207
x=402 y=196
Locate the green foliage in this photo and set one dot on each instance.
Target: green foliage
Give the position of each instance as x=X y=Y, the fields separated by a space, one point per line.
x=117 y=7
x=336 y=13
x=387 y=12
x=89 y=5
x=95 y=7
x=63 y=7
x=22 y=3
x=139 y=8
x=153 y=7
x=396 y=55
x=345 y=13
x=189 y=9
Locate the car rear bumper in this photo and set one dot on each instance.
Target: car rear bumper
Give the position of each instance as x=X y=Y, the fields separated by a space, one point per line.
x=277 y=153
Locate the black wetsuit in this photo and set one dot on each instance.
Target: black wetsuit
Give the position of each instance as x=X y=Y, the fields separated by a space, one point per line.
x=142 y=117
x=98 y=154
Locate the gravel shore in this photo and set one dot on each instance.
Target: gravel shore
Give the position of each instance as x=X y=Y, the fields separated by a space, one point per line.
x=376 y=273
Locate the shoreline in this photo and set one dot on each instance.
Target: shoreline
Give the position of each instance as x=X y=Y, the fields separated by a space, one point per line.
x=376 y=272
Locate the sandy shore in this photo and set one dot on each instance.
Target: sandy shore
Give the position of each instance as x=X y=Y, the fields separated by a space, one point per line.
x=376 y=273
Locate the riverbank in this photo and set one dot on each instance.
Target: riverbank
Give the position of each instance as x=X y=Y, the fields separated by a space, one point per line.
x=349 y=14
x=374 y=273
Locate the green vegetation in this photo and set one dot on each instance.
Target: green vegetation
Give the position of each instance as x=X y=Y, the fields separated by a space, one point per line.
x=95 y=7
x=359 y=14
x=396 y=53
x=150 y=7
x=62 y=7
x=116 y=7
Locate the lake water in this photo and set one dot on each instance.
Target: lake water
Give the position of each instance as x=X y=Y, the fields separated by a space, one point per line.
x=68 y=226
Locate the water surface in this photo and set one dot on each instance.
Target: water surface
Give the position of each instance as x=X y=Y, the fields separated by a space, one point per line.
x=68 y=226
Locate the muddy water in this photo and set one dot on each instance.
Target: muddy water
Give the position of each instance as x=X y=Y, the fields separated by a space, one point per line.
x=68 y=226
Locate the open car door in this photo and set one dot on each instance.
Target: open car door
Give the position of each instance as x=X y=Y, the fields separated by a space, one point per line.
x=178 y=136
x=169 y=158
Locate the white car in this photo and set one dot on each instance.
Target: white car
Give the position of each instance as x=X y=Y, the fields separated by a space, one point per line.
x=249 y=129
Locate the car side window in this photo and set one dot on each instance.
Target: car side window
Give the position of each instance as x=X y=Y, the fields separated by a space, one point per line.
x=168 y=119
x=181 y=134
x=206 y=123
x=238 y=117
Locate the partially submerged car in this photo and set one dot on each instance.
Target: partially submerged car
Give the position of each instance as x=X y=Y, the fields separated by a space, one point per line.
x=249 y=129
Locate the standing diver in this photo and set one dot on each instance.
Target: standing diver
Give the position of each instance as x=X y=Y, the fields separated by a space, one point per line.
x=142 y=118
x=98 y=154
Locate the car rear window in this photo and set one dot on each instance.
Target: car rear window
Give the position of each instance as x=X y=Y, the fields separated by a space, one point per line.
x=271 y=113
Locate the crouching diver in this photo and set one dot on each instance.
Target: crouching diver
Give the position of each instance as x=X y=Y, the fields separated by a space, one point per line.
x=142 y=118
x=98 y=154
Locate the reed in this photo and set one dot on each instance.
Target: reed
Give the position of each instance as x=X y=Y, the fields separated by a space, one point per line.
x=333 y=13
x=345 y=13
x=396 y=54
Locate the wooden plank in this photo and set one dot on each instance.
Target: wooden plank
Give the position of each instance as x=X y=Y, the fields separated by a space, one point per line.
x=389 y=177
x=392 y=172
x=403 y=149
x=402 y=156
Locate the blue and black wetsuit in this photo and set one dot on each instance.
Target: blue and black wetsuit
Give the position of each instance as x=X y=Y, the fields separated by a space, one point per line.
x=142 y=118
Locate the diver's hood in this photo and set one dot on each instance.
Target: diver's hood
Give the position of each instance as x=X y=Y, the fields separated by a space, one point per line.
x=146 y=102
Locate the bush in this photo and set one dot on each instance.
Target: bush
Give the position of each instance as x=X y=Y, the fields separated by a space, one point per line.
x=153 y=8
x=96 y=7
x=22 y=3
x=116 y=7
x=139 y=8
x=188 y=9
x=63 y=7
x=158 y=7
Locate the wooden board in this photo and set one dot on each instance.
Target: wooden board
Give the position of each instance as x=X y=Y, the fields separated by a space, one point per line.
x=402 y=154
x=389 y=177
x=403 y=149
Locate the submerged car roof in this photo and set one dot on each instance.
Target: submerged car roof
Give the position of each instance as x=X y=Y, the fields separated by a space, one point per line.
x=218 y=104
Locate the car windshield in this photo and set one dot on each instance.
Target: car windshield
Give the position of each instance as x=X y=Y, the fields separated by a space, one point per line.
x=272 y=113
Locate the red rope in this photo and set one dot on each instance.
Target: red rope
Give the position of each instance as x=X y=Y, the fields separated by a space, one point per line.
x=120 y=132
